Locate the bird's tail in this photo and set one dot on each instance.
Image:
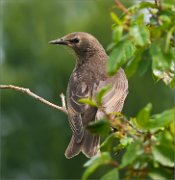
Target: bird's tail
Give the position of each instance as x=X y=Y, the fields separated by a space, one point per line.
x=89 y=146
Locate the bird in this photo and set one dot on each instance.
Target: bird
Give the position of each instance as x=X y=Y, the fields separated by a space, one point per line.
x=88 y=77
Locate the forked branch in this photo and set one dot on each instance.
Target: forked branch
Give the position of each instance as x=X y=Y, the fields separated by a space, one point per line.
x=38 y=98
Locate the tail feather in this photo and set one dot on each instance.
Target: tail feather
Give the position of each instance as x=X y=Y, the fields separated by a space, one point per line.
x=89 y=146
x=73 y=148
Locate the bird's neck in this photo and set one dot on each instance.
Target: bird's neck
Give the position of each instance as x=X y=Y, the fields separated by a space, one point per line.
x=94 y=61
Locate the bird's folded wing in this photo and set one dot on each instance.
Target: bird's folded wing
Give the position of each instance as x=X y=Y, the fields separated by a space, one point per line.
x=76 y=109
x=114 y=99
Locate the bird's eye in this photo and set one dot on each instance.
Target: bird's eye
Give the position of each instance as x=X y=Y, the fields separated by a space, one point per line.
x=75 y=40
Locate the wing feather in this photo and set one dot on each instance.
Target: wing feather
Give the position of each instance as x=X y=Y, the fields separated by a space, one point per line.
x=77 y=90
x=114 y=99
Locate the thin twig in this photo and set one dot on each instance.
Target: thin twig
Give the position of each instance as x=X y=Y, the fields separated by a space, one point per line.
x=121 y=6
x=30 y=93
x=158 y=4
x=63 y=101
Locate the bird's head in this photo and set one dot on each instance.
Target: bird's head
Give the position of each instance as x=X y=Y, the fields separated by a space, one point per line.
x=82 y=43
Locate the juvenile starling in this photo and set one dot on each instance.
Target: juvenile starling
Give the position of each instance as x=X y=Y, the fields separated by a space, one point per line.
x=87 y=78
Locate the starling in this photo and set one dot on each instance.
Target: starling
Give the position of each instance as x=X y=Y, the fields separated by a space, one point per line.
x=87 y=78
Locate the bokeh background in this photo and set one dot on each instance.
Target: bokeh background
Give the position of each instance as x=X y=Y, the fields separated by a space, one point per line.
x=35 y=136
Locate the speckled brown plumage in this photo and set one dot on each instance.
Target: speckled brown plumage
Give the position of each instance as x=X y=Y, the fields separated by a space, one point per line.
x=87 y=78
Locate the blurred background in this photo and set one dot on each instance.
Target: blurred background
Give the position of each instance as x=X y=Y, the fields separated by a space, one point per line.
x=35 y=136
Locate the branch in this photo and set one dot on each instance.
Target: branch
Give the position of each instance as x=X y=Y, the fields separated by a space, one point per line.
x=121 y=6
x=38 y=98
x=158 y=4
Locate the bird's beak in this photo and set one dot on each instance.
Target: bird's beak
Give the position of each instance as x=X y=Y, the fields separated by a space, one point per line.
x=59 y=41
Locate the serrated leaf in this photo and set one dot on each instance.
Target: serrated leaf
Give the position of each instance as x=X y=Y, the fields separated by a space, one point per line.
x=88 y=101
x=111 y=175
x=95 y=162
x=100 y=127
x=132 y=152
x=101 y=93
x=120 y=55
x=140 y=35
x=143 y=116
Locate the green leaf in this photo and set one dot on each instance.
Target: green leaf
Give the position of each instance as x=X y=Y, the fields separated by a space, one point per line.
x=160 y=174
x=117 y=33
x=168 y=38
x=143 y=116
x=161 y=120
x=172 y=128
x=126 y=141
x=120 y=55
x=143 y=5
x=140 y=35
x=159 y=60
x=144 y=121
x=101 y=93
x=162 y=63
x=115 y=18
x=100 y=127
x=107 y=143
x=163 y=150
x=164 y=155
x=132 y=152
x=144 y=65
x=111 y=175
x=88 y=101
x=132 y=65
x=111 y=46
x=95 y=162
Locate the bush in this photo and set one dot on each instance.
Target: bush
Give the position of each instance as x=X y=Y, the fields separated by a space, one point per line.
x=147 y=139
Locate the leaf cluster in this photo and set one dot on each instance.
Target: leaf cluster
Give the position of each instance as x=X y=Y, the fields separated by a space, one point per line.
x=151 y=43
x=140 y=147
x=147 y=139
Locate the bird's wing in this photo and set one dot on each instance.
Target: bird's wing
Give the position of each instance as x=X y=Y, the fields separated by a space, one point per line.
x=114 y=99
x=76 y=91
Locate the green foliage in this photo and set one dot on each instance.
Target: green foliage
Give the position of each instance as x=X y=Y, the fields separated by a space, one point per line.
x=112 y=174
x=144 y=121
x=100 y=127
x=143 y=115
x=88 y=101
x=132 y=152
x=146 y=139
x=123 y=51
x=95 y=162
x=132 y=37
x=101 y=93
x=147 y=152
x=28 y=60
